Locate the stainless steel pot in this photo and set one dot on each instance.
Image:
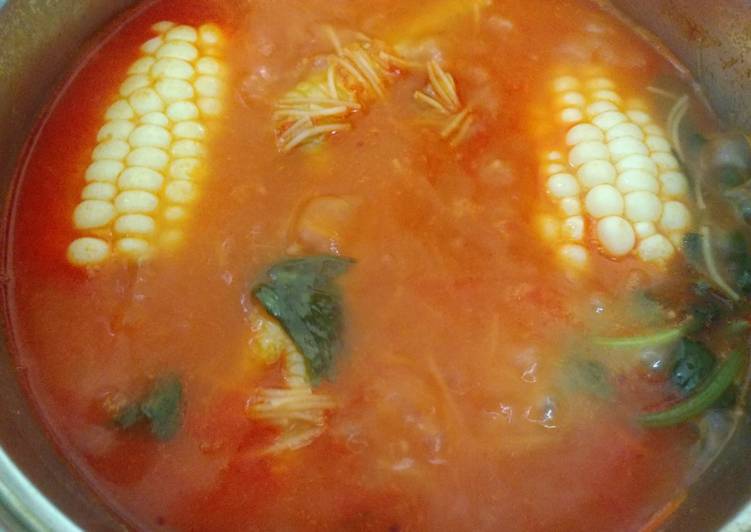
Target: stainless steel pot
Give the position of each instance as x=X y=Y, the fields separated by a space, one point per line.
x=39 y=40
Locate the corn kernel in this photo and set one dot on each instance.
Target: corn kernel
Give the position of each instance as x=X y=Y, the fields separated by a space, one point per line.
x=105 y=170
x=616 y=236
x=88 y=251
x=178 y=50
x=92 y=214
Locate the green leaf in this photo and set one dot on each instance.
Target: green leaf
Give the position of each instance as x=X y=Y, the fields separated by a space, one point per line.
x=693 y=363
x=129 y=416
x=302 y=295
x=708 y=307
x=163 y=407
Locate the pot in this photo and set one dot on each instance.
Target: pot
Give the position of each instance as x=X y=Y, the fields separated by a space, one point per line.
x=40 y=41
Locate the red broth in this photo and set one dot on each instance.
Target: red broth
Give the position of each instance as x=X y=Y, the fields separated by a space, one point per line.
x=458 y=318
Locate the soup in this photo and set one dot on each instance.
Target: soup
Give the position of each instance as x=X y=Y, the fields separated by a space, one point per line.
x=466 y=265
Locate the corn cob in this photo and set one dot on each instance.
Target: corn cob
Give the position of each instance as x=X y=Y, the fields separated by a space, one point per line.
x=440 y=96
x=612 y=179
x=355 y=75
x=296 y=410
x=144 y=170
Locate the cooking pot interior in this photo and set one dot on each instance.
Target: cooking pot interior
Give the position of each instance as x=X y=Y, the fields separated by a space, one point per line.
x=41 y=41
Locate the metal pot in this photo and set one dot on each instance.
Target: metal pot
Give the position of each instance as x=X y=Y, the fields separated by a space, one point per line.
x=40 y=40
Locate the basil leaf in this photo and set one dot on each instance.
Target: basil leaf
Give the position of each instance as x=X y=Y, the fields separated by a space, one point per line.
x=302 y=296
x=163 y=407
x=129 y=416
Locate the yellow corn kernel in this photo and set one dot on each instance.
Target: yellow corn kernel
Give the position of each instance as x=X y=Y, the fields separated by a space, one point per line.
x=614 y=161
x=295 y=409
x=88 y=251
x=151 y=148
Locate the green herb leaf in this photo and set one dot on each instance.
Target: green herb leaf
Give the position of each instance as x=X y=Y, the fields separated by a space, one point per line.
x=163 y=407
x=302 y=295
x=129 y=416
x=708 y=307
x=693 y=363
x=715 y=386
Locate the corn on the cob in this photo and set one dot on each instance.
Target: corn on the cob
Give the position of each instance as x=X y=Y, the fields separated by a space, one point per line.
x=144 y=171
x=296 y=410
x=618 y=185
x=354 y=76
x=440 y=96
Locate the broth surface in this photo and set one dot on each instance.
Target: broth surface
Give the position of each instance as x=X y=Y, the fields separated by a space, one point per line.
x=450 y=411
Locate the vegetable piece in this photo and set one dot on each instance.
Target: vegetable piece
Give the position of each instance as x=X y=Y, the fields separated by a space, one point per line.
x=161 y=407
x=614 y=170
x=359 y=73
x=321 y=223
x=129 y=416
x=654 y=339
x=355 y=75
x=298 y=411
x=588 y=376
x=711 y=265
x=731 y=255
x=440 y=96
x=268 y=342
x=715 y=385
x=142 y=178
x=692 y=363
x=661 y=517
x=709 y=306
x=432 y=20
x=301 y=294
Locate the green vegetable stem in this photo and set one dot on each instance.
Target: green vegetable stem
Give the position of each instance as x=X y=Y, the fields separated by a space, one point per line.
x=662 y=337
x=715 y=385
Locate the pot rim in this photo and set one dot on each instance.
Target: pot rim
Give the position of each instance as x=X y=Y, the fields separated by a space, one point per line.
x=23 y=505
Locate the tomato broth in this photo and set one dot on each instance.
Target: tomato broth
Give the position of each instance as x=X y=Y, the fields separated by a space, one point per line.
x=458 y=318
